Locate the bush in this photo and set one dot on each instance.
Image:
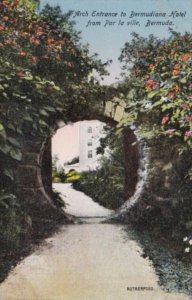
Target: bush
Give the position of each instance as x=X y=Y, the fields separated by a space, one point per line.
x=72 y=176
x=58 y=175
x=158 y=92
x=57 y=199
x=105 y=185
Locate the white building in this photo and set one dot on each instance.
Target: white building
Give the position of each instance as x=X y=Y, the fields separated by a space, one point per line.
x=78 y=140
x=90 y=133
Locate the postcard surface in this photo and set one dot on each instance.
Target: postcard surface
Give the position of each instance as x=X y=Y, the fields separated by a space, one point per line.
x=93 y=255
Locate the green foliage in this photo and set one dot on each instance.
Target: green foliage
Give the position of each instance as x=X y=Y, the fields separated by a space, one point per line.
x=10 y=221
x=73 y=161
x=7 y=200
x=106 y=184
x=58 y=175
x=44 y=73
x=72 y=176
x=158 y=92
x=57 y=199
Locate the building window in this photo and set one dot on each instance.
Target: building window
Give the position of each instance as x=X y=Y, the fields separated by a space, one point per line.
x=89 y=130
x=89 y=143
x=90 y=154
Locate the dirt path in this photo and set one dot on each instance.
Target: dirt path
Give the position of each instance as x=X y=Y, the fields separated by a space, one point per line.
x=92 y=261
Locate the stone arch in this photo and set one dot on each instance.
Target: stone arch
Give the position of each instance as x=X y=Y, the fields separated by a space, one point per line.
x=155 y=172
x=131 y=159
x=34 y=183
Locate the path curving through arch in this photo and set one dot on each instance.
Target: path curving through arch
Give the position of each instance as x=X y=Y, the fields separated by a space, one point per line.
x=80 y=205
x=88 y=261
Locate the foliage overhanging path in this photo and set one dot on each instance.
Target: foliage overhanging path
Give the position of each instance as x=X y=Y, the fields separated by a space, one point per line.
x=45 y=74
x=158 y=92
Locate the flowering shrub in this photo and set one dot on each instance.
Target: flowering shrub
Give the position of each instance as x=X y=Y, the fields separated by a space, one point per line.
x=44 y=73
x=39 y=63
x=163 y=70
x=157 y=89
x=30 y=41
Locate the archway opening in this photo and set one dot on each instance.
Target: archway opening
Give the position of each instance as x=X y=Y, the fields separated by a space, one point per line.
x=81 y=156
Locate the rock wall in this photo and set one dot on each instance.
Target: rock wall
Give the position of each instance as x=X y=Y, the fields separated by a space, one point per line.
x=46 y=166
x=131 y=153
x=164 y=200
x=34 y=195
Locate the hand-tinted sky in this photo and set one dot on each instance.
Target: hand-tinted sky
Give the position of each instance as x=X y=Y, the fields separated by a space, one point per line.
x=65 y=143
x=107 y=41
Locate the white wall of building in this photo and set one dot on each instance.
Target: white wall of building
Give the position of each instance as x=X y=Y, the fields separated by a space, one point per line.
x=78 y=139
x=90 y=133
x=65 y=143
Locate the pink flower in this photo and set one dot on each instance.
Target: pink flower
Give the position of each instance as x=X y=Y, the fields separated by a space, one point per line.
x=169 y=131
x=19 y=74
x=31 y=40
x=24 y=34
x=188 y=118
x=15 y=32
x=22 y=54
x=1 y=45
x=45 y=57
x=34 y=59
x=40 y=33
x=34 y=41
x=184 y=106
x=14 y=44
x=165 y=120
x=38 y=28
x=8 y=43
x=188 y=133
x=170 y=95
x=151 y=84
